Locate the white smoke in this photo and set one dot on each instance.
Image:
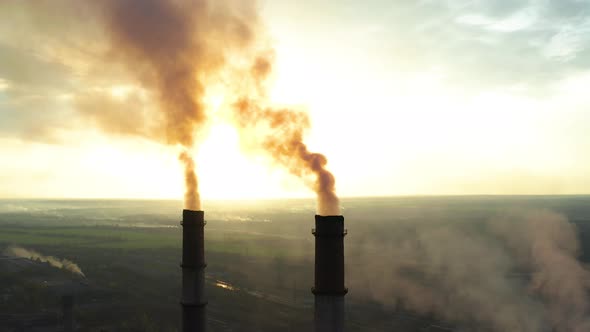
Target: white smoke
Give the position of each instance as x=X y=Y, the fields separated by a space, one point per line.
x=64 y=264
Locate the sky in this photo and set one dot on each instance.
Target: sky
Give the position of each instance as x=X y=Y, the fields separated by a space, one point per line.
x=404 y=97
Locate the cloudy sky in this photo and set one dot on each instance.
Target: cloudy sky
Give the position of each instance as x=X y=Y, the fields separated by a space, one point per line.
x=405 y=97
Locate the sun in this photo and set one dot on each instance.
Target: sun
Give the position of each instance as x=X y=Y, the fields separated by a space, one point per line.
x=226 y=171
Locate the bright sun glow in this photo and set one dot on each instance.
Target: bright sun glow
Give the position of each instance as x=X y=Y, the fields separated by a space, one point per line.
x=395 y=111
x=225 y=172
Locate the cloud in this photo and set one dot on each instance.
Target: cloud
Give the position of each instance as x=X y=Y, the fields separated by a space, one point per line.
x=569 y=42
x=474 y=43
x=42 y=65
x=122 y=113
x=27 y=70
x=4 y=85
x=483 y=43
x=59 y=74
x=37 y=116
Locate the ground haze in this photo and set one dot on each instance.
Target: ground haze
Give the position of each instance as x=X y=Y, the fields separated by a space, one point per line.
x=413 y=263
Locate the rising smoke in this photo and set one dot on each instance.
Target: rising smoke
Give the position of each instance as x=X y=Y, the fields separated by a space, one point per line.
x=546 y=244
x=192 y=201
x=519 y=272
x=173 y=48
x=171 y=52
x=53 y=261
x=280 y=133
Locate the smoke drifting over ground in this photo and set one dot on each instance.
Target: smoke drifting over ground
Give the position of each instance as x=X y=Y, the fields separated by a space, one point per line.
x=53 y=261
x=546 y=244
x=518 y=272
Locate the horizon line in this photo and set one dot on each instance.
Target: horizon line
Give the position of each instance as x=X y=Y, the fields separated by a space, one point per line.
x=180 y=199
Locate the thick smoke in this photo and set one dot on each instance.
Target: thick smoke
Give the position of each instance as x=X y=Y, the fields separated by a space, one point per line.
x=106 y=112
x=156 y=39
x=167 y=52
x=280 y=133
x=192 y=201
x=170 y=53
x=174 y=47
x=516 y=273
x=53 y=261
x=547 y=245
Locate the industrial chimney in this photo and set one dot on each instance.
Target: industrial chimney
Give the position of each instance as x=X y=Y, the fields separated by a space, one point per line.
x=67 y=306
x=193 y=271
x=329 y=287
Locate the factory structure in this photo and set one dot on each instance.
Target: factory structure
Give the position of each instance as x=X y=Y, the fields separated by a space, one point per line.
x=328 y=286
x=193 y=265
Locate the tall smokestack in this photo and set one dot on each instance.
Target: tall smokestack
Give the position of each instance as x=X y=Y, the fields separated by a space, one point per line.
x=329 y=287
x=193 y=271
x=67 y=305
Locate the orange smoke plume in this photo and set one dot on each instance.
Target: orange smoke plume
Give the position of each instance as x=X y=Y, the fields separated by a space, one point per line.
x=192 y=200
x=280 y=131
x=173 y=48
x=282 y=138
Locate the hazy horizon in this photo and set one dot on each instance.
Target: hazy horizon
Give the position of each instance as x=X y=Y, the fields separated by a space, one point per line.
x=469 y=263
x=302 y=198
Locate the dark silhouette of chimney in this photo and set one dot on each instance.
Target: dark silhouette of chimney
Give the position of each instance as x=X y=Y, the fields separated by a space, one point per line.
x=193 y=271
x=67 y=306
x=329 y=287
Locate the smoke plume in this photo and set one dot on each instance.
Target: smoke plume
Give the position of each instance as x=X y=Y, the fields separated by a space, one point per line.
x=546 y=244
x=192 y=201
x=169 y=54
x=167 y=51
x=517 y=273
x=280 y=133
x=174 y=47
x=53 y=261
